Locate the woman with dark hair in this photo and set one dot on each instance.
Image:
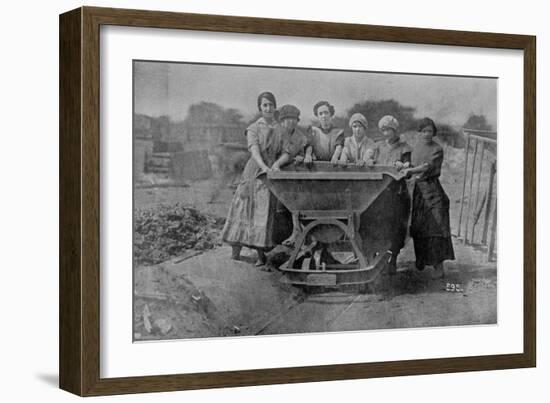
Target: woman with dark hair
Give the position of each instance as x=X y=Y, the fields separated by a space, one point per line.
x=326 y=141
x=430 y=227
x=251 y=216
x=324 y=144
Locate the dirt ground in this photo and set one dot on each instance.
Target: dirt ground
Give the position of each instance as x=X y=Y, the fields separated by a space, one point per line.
x=206 y=294
x=209 y=295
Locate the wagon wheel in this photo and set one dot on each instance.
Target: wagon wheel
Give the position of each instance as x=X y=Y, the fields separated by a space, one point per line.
x=353 y=237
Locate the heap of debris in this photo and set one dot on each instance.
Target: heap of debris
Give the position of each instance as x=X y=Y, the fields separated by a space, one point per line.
x=168 y=231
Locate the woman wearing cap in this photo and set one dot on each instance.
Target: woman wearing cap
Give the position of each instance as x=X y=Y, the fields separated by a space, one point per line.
x=294 y=141
x=357 y=148
x=251 y=215
x=294 y=145
x=326 y=141
x=391 y=151
x=430 y=227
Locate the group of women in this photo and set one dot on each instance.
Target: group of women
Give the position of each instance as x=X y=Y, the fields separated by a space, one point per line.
x=274 y=141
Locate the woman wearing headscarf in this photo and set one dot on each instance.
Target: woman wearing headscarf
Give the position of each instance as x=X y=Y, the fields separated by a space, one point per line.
x=394 y=215
x=251 y=216
x=357 y=148
x=430 y=225
x=391 y=150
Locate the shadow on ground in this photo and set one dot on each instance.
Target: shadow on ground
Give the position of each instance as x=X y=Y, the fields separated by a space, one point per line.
x=49 y=379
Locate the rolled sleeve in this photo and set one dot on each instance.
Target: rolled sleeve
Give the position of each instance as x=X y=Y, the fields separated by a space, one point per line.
x=252 y=137
x=340 y=138
x=435 y=162
x=346 y=150
x=289 y=148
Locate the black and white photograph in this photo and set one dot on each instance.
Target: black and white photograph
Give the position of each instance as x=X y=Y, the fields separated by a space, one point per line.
x=240 y=201
x=272 y=200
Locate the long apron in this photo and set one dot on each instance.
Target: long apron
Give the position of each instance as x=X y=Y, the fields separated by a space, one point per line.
x=251 y=217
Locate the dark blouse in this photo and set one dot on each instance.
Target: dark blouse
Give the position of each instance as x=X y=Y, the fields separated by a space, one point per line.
x=427 y=153
x=296 y=142
x=388 y=153
x=430 y=221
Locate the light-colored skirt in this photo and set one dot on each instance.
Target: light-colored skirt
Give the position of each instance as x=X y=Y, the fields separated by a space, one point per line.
x=251 y=216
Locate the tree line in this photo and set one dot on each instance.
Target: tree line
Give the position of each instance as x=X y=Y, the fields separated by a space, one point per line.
x=212 y=113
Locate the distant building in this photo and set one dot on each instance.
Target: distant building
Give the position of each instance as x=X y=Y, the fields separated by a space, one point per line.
x=143 y=127
x=209 y=135
x=189 y=149
x=143 y=148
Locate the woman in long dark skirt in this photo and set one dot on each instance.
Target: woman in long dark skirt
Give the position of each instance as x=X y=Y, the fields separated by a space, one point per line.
x=393 y=222
x=430 y=226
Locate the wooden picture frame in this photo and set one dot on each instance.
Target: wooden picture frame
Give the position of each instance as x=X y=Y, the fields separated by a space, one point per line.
x=79 y=281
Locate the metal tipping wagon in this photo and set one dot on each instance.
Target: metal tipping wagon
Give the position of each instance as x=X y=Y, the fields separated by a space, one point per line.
x=344 y=209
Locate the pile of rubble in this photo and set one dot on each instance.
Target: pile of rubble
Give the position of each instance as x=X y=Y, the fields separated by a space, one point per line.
x=168 y=231
x=169 y=306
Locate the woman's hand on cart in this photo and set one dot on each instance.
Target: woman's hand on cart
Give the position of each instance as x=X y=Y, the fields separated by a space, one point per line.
x=401 y=165
x=299 y=159
x=343 y=163
x=406 y=172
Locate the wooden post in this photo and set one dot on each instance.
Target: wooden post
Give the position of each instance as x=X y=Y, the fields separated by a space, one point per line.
x=480 y=207
x=466 y=152
x=470 y=192
x=477 y=190
x=489 y=201
x=493 y=233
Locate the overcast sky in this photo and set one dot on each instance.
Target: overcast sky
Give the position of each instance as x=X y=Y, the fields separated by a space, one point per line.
x=170 y=88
